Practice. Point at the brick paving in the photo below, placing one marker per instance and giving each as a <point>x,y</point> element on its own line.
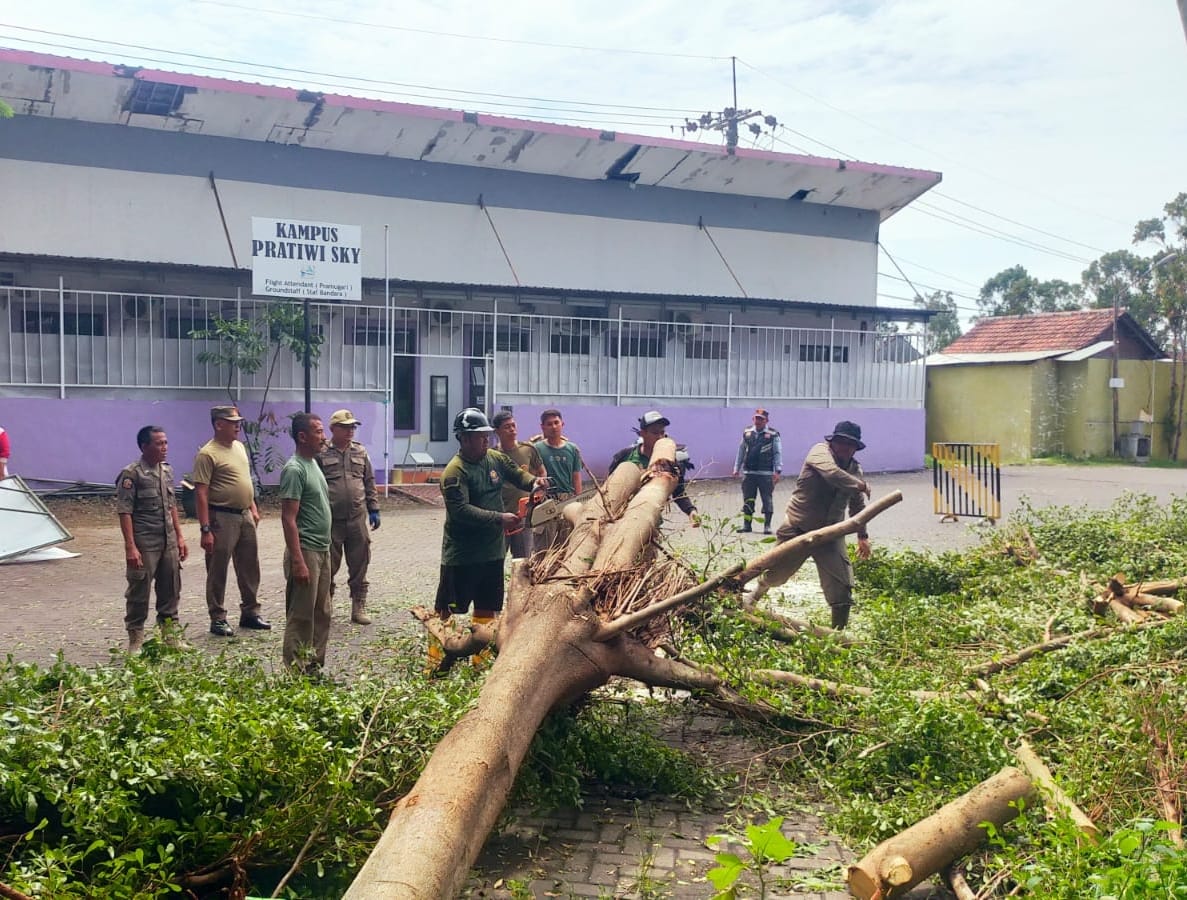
<point>655,848</point>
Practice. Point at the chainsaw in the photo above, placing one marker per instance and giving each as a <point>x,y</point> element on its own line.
<point>533,512</point>
<point>538,508</point>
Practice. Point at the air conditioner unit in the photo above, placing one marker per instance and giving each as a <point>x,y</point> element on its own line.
<point>441,314</point>
<point>137,307</point>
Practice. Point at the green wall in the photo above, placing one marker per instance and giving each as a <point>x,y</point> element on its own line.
<point>1045,407</point>
<point>981,404</point>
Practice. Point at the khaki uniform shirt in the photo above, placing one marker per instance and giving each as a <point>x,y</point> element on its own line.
<point>351,480</point>
<point>527,457</point>
<point>227,473</point>
<point>824,491</point>
<point>146,494</point>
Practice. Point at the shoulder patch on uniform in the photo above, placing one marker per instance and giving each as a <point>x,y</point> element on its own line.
<point>451,482</point>
<point>126,484</point>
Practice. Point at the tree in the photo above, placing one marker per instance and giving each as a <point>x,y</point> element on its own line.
<point>243,348</point>
<point>944,328</point>
<point>573,620</point>
<point>1168,271</point>
<point>1124,278</point>
<point>1015,292</point>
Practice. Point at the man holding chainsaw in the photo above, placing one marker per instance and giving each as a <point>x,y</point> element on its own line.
<point>527,457</point>
<point>473,545</point>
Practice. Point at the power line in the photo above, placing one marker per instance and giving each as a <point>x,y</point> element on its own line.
<point>919,147</point>
<point>937,272</point>
<point>672,115</point>
<point>989,231</point>
<point>930,287</point>
<point>338,20</point>
<point>938,193</point>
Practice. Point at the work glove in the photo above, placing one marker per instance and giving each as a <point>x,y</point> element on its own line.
<point>373,515</point>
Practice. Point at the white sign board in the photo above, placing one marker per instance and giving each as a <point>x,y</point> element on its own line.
<point>318,260</point>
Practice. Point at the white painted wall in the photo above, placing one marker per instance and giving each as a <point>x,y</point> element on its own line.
<point>90,213</point>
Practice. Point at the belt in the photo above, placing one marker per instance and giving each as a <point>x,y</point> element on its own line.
<point>228,509</point>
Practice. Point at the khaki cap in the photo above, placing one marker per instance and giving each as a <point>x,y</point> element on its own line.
<point>344,417</point>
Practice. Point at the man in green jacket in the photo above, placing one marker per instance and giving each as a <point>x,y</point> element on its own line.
<point>473,545</point>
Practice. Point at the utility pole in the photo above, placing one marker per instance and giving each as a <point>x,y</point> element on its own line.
<point>728,120</point>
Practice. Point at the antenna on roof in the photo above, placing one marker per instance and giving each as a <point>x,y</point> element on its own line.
<point>728,120</point>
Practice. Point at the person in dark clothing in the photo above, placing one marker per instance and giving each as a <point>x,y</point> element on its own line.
<point>653,426</point>
<point>759,464</point>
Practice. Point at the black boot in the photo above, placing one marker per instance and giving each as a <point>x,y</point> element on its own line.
<point>766,523</point>
<point>840,617</point>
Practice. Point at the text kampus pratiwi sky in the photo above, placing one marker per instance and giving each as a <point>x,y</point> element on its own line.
<point>1068,117</point>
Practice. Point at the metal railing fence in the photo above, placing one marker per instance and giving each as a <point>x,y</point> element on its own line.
<point>69,339</point>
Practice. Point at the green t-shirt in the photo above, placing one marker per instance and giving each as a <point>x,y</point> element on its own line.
<point>560,463</point>
<point>473,493</point>
<point>302,480</point>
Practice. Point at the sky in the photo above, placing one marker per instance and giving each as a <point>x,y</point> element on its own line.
<point>1057,124</point>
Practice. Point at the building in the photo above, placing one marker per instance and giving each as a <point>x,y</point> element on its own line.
<point>1039,385</point>
<point>503,263</point>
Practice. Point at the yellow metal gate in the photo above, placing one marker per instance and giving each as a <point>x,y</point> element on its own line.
<point>967,481</point>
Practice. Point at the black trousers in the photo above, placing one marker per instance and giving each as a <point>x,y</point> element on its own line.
<point>758,485</point>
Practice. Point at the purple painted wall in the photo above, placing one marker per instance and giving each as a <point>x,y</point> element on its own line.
<point>894,437</point>
<point>81,439</point>
<point>93,439</point>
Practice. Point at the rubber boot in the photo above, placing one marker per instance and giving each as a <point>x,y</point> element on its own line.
<point>358,612</point>
<point>486,655</point>
<point>436,657</point>
<point>135,640</point>
<point>766,523</point>
<point>840,617</point>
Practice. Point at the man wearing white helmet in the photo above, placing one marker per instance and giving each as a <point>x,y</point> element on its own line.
<point>473,544</point>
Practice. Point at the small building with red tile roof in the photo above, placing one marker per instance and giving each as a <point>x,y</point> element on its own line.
<point>1041,385</point>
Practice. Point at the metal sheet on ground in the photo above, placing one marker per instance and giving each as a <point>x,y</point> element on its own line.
<point>25,522</point>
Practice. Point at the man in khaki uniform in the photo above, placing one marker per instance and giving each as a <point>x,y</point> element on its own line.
<point>831,484</point>
<point>353,504</point>
<point>153,544</point>
<point>227,518</point>
<point>528,457</point>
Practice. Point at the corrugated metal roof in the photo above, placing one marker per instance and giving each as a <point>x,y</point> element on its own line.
<point>44,85</point>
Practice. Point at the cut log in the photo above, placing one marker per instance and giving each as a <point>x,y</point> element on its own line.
<point>1138,600</point>
<point>901,862</point>
<point>1164,587</point>
<point>1125,614</point>
<point>1057,800</point>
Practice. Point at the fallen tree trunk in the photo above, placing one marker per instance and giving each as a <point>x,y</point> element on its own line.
<point>955,830</point>
<point>574,619</point>
<point>1057,800</point>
